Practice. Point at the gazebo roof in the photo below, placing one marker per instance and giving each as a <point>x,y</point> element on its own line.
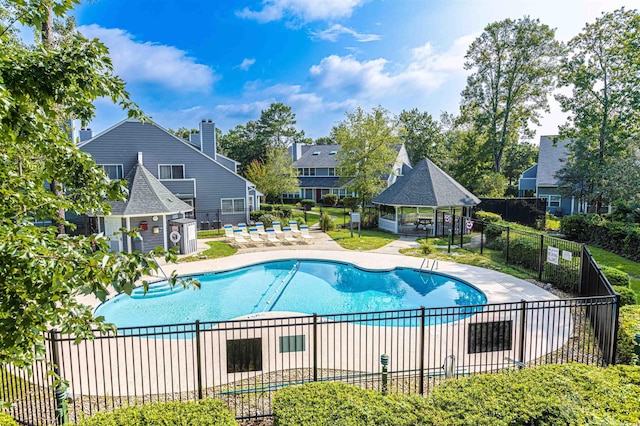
<point>147,195</point>
<point>426,185</point>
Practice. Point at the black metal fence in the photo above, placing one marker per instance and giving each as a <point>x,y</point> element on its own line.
<point>525,211</point>
<point>243,362</point>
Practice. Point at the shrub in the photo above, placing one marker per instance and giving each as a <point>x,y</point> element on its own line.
<point>333,404</point>
<point>350,203</point>
<point>523,252</point>
<point>616,277</point>
<point>577,226</point>
<point>629,326</point>
<point>369,220</point>
<point>307,204</point>
<point>330,200</point>
<point>255,214</point>
<point>565,276</point>
<point>491,232</point>
<point>426,246</point>
<point>627,296</point>
<point>568,394</point>
<point>488,216</point>
<point>203,412</point>
<point>326,223</point>
<point>285,212</point>
<point>7,420</point>
<point>267,220</point>
<point>266,207</point>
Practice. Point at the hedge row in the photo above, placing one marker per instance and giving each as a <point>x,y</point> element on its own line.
<point>619,237</point>
<point>7,420</point>
<point>206,412</point>
<point>629,326</point>
<point>545,395</point>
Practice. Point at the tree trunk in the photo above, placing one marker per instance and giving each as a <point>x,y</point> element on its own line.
<point>55,187</point>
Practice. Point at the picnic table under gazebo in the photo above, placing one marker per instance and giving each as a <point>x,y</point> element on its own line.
<point>421,201</point>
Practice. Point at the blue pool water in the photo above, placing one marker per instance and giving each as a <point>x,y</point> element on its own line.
<point>304,286</point>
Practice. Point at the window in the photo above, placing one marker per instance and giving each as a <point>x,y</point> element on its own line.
<point>292,343</point>
<point>114,171</point>
<point>552,200</point>
<point>490,336</point>
<point>171,171</point>
<point>244,355</point>
<point>232,205</point>
<point>306,171</point>
<point>332,171</point>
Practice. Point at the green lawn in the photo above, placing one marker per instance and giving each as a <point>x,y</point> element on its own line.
<point>606,258</point>
<point>370,239</point>
<point>218,249</point>
<point>211,233</point>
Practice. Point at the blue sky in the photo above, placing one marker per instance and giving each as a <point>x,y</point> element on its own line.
<point>227,60</point>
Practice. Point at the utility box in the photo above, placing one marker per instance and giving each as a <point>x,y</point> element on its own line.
<point>184,234</point>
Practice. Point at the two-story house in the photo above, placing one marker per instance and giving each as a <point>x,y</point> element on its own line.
<point>319,174</point>
<point>202,183</point>
<point>540,179</point>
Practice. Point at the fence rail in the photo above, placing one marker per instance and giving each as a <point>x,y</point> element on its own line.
<point>245,361</point>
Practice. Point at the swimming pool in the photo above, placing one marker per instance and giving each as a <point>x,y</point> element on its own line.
<point>304,286</point>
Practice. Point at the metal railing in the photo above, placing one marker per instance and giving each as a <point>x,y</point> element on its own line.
<point>243,362</point>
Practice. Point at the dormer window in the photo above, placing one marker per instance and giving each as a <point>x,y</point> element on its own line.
<point>316,152</point>
<point>333,152</point>
<point>171,171</point>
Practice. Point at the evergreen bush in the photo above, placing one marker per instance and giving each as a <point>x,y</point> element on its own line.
<point>351,203</point>
<point>307,204</point>
<point>488,216</point>
<point>267,220</point>
<point>629,326</point>
<point>7,420</point>
<point>329,200</point>
<point>326,223</point>
<point>616,277</point>
<point>627,296</point>
<point>203,412</point>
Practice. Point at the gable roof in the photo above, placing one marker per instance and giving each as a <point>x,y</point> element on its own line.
<point>318,156</point>
<point>177,138</point>
<point>550,160</point>
<point>426,185</point>
<point>147,196</point>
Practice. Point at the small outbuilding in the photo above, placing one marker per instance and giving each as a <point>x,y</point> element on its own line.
<point>422,201</point>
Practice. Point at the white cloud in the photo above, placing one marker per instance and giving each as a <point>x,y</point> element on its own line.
<point>150,62</point>
<point>335,31</point>
<point>246,64</point>
<point>372,79</point>
<point>306,10</point>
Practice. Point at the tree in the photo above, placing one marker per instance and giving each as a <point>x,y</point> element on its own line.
<point>422,137</point>
<point>183,132</point>
<point>517,159</point>
<point>276,127</point>
<point>603,70</point>
<point>324,140</point>
<point>243,145</point>
<point>41,274</point>
<point>276,176</point>
<point>367,153</point>
<point>514,65</point>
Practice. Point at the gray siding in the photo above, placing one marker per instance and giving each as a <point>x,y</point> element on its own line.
<point>184,189</point>
<point>149,239</point>
<point>229,164</point>
<point>121,144</point>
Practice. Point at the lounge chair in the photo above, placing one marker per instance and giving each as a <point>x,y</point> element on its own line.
<point>294,227</point>
<point>255,237</point>
<point>276,228</point>
<point>243,228</point>
<point>239,238</point>
<point>228,232</point>
<point>272,238</point>
<point>304,233</point>
<point>288,236</point>
<point>260,227</point>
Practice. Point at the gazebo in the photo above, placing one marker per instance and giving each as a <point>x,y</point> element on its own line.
<point>411,205</point>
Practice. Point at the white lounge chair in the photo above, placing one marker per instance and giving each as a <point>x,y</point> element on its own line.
<point>239,238</point>
<point>243,228</point>
<point>272,238</point>
<point>304,233</point>
<point>294,227</point>
<point>288,236</point>
<point>276,228</point>
<point>255,237</point>
<point>260,227</point>
<point>228,232</point>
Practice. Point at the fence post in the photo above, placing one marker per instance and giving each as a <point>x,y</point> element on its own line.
<point>540,261</point>
<point>462,228</point>
<point>523,325</point>
<point>453,227</point>
<point>583,259</point>
<point>443,224</point>
<point>422,324</point>
<point>315,347</point>
<point>62,412</point>
<point>198,360</point>
<point>384,360</point>
<point>616,327</point>
<point>482,236</point>
<point>507,254</point>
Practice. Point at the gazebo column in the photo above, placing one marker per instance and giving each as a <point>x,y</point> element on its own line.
<point>129,236</point>
<point>395,209</point>
<point>165,230</point>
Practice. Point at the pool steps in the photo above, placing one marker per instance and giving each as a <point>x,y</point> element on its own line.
<point>157,290</point>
